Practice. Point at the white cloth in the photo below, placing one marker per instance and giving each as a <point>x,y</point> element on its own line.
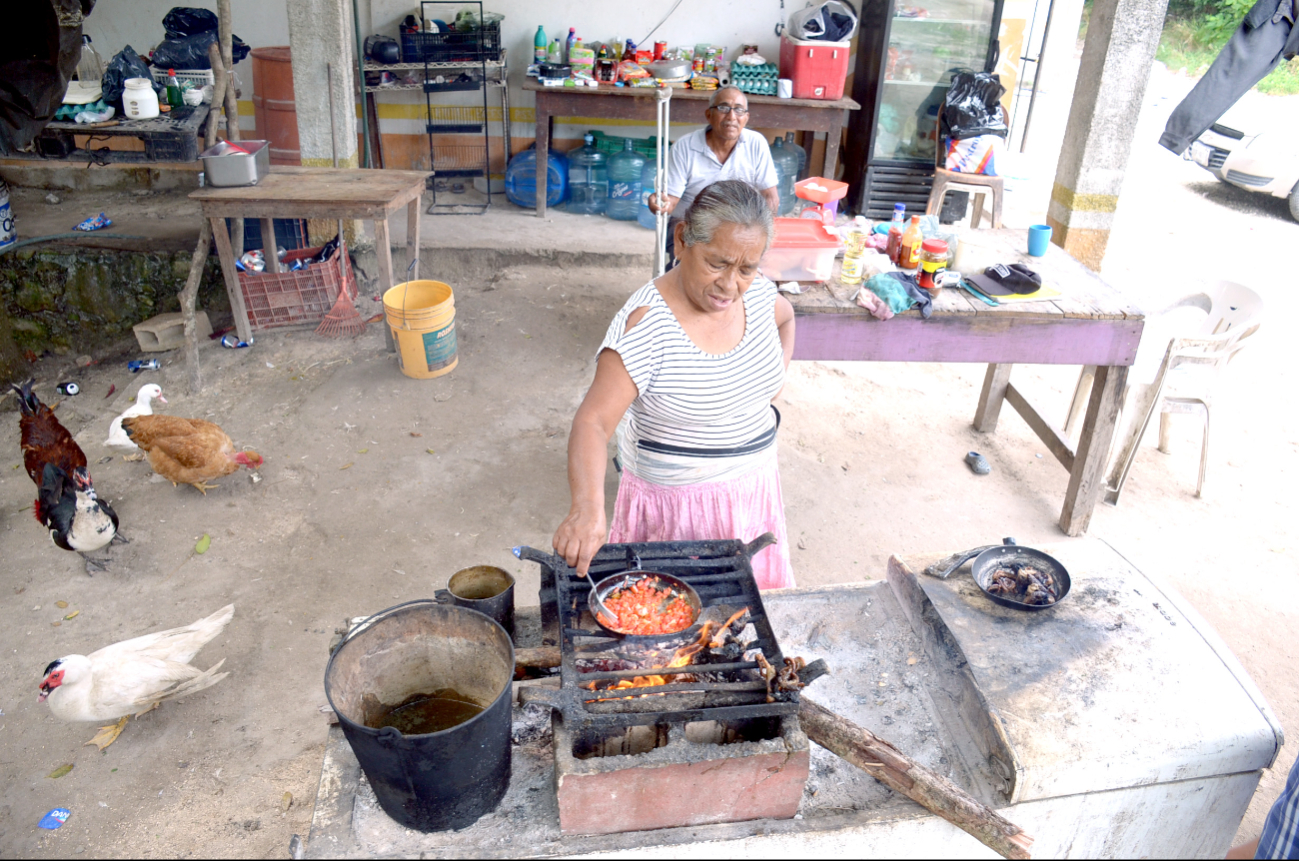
<point>693,166</point>
<point>699,416</point>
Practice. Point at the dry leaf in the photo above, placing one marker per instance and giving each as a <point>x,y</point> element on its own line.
<point>286,802</point>
<point>56,624</point>
<point>911,661</point>
<point>60,771</point>
<point>430,451</point>
<point>62,605</point>
<point>203,544</point>
<point>72,615</point>
<point>412,433</point>
<point>345,466</point>
<point>362,450</point>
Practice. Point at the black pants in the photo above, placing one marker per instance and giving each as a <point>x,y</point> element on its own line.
<point>1254,50</point>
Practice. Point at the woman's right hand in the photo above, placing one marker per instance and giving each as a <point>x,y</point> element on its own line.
<point>580,536</point>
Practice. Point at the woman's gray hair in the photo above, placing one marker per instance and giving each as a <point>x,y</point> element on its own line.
<point>730,201</point>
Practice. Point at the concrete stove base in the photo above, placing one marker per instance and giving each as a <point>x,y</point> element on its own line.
<point>681,784</point>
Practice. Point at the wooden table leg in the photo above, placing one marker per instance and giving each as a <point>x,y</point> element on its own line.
<point>992,397</point>
<point>270,247</point>
<point>383,253</point>
<point>226,254</point>
<point>412,235</point>
<point>809,141</point>
<point>832,146</point>
<point>1087,480</point>
<point>542,134</point>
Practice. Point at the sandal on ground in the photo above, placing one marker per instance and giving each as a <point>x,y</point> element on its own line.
<point>978,463</point>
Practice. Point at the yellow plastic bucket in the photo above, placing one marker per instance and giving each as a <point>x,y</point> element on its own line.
<point>422,317</point>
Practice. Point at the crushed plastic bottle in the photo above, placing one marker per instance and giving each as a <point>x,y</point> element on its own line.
<point>233,342</point>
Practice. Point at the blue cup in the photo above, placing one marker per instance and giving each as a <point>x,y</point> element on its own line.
<point>1039,237</point>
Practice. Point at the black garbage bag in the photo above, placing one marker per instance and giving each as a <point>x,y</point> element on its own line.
<point>830,21</point>
<point>973,106</point>
<point>190,52</point>
<point>125,64</point>
<point>184,21</point>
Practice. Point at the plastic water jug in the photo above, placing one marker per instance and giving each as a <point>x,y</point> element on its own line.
<point>625,183</point>
<point>648,175</point>
<point>798,151</point>
<point>588,179</point>
<point>139,101</point>
<point>521,179</point>
<point>786,175</point>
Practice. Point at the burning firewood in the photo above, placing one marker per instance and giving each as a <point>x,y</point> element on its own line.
<point>899,772</point>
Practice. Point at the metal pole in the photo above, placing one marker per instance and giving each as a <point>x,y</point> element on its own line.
<point>1037,77</point>
<point>360,70</point>
<point>663,97</point>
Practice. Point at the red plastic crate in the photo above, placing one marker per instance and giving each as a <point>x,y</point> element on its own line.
<point>818,69</point>
<point>293,298</point>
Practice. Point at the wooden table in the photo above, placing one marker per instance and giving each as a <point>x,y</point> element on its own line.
<point>314,192</point>
<point>637,103</point>
<point>1090,324</point>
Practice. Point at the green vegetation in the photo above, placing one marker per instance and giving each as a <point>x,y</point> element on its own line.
<point>1196,30</point>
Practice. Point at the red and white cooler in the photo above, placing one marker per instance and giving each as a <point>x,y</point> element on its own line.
<point>818,69</point>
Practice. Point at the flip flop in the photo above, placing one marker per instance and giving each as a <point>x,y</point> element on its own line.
<point>977,463</point>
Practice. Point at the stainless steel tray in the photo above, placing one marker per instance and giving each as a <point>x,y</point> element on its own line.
<point>226,166</point>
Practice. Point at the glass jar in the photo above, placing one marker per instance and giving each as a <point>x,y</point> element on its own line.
<point>933,259</point>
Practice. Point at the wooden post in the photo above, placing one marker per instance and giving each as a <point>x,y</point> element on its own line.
<point>188,297</point>
<point>220,78</point>
<point>232,111</point>
<point>899,772</point>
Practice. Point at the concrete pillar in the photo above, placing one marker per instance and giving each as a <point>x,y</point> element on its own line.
<point>320,35</point>
<point>1121,40</point>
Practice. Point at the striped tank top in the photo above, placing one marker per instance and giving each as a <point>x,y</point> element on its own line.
<point>698,416</point>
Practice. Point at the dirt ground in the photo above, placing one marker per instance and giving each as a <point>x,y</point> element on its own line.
<point>377,488</point>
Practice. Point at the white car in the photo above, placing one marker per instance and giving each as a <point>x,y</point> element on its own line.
<point>1266,161</point>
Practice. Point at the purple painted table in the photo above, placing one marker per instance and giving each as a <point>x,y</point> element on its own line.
<point>1089,324</point>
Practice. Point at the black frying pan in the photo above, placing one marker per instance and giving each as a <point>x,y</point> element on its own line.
<point>670,585</point>
<point>1008,554</point>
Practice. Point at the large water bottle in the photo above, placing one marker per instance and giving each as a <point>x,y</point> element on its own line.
<point>798,151</point>
<point>644,217</point>
<point>588,179</point>
<point>786,175</point>
<point>625,183</point>
<point>521,179</point>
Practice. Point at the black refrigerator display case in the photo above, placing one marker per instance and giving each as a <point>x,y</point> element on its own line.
<point>906,55</point>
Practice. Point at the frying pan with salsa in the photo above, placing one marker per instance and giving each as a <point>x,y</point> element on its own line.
<point>649,604</point>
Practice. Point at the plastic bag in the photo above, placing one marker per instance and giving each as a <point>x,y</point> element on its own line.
<point>973,106</point>
<point>184,21</point>
<point>125,64</point>
<point>190,52</point>
<point>831,21</point>
<point>976,155</point>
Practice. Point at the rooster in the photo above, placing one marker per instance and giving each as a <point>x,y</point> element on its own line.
<point>66,501</point>
<point>132,676</point>
<point>187,451</point>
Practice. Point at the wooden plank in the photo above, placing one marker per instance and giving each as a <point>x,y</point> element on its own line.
<point>995,383</point>
<point>965,337</point>
<point>226,253</point>
<point>1087,478</point>
<point>412,235</point>
<point>685,94</point>
<point>383,251</point>
<point>1051,438</point>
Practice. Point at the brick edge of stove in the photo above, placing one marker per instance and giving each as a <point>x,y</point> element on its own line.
<point>685,782</point>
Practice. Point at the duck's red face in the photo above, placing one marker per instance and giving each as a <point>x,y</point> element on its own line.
<point>53,678</point>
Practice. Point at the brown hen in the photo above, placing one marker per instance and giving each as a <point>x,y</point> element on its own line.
<point>187,451</point>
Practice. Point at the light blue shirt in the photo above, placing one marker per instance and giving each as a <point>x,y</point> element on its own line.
<point>693,166</point>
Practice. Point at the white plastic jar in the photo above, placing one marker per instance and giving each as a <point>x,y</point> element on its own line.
<point>139,101</point>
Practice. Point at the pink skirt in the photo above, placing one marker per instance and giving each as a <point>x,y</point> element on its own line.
<point>742,508</point>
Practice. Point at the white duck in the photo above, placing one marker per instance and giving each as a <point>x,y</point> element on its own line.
<point>132,676</point>
<point>117,437</point>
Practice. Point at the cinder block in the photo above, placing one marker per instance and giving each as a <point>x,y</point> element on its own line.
<point>167,331</point>
<point>683,783</point>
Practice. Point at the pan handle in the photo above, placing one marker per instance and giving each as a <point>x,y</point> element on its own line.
<point>943,568</point>
<point>763,541</point>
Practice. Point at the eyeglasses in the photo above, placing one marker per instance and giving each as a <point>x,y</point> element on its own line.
<point>724,109</point>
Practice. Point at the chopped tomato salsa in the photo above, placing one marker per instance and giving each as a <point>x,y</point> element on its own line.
<point>649,606</point>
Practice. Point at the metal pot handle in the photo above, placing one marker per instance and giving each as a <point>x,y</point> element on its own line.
<point>383,613</point>
<point>388,736</point>
<point>553,560</point>
<point>444,596</point>
<point>943,568</point>
<point>763,541</point>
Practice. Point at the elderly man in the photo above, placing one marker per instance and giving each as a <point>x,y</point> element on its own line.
<point>724,150</point>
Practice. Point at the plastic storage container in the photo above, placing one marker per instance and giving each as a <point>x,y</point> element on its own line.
<point>588,180</point>
<point>803,250</point>
<point>625,171</point>
<point>139,101</point>
<point>521,179</point>
<point>648,176</point>
<point>818,69</point>
<point>786,175</point>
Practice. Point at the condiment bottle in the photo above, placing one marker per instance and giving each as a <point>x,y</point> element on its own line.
<point>933,260</point>
<point>173,90</point>
<point>854,255</point>
<point>895,232</point>
<point>909,256</point>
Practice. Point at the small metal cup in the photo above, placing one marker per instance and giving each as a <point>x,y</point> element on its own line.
<point>484,588</point>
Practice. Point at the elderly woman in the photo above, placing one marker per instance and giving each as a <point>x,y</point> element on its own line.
<point>685,377</point>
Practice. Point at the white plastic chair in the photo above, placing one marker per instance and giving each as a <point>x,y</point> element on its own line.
<point>1185,380</point>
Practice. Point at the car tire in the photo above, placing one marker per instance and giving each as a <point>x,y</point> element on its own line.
<point>1294,202</point>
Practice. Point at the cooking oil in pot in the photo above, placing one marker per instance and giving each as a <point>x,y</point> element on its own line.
<point>424,713</point>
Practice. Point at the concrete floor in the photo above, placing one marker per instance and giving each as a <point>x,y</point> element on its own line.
<point>356,513</point>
